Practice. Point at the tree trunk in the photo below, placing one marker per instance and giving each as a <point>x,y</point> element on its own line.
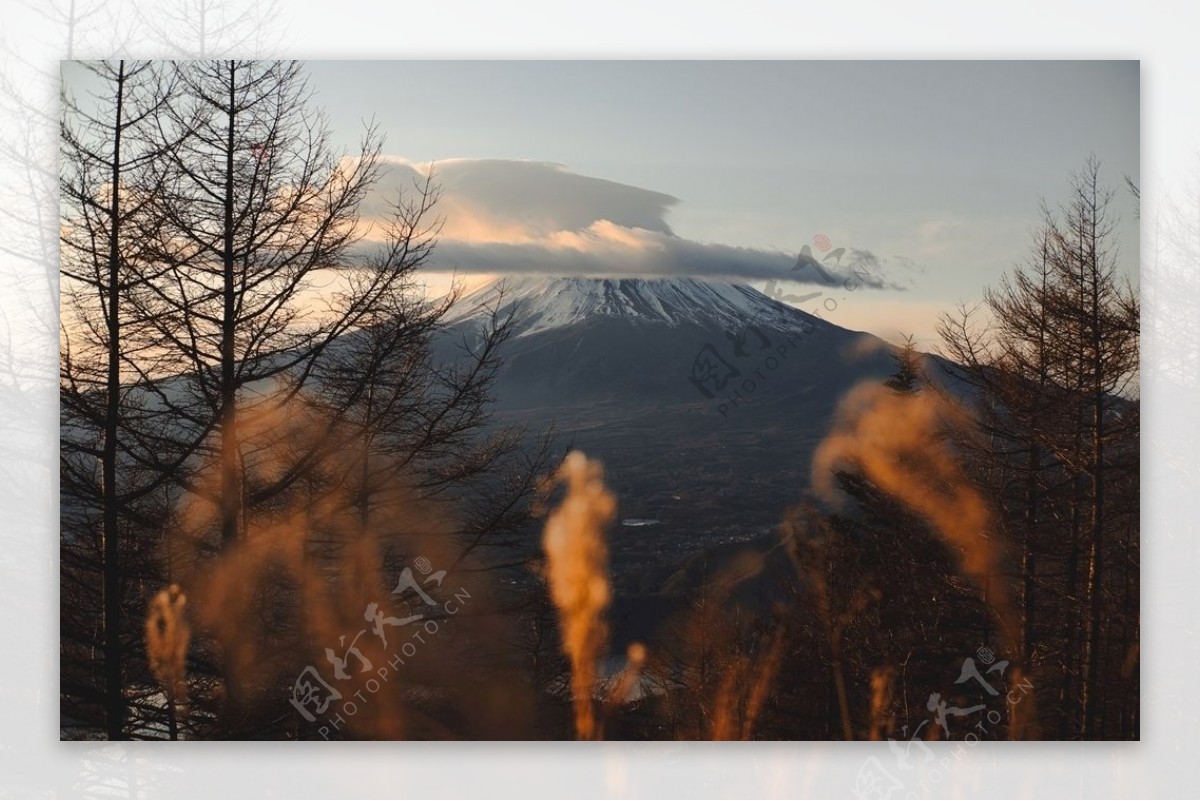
<point>1096,555</point>
<point>231,483</point>
<point>1028,561</point>
<point>231,468</point>
<point>113,679</point>
<point>1072,609</point>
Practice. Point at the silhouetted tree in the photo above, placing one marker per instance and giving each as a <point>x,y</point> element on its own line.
<point>1055,372</point>
<point>104,149</point>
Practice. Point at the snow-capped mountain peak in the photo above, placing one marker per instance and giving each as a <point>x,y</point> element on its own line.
<point>546,303</point>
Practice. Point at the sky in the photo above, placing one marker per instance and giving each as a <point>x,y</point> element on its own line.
<point>926,176</point>
<point>933,173</point>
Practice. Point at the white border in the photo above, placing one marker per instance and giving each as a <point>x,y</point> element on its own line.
<point>1162,35</point>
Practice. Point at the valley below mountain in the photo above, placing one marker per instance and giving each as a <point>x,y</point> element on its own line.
<point>704,402</point>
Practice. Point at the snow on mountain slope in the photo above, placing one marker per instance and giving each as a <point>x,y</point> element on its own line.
<point>546,303</point>
<point>631,342</point>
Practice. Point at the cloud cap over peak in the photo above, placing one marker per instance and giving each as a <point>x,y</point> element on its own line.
<point>508,216</point>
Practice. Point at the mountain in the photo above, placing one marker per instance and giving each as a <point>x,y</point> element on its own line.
<point>629,341</point>
<point>704,400</point>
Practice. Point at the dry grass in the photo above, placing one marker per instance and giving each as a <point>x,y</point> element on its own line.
<point>577,571</point>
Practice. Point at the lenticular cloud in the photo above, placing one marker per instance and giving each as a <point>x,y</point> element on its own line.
<point>502,216</point>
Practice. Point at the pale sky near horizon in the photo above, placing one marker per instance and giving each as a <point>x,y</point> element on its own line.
<point>938,168</point>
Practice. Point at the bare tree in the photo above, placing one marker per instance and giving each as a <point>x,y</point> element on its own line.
<point>254,206</point>
<point>204,29</point>
<point>1056,371</point>
<point>1106,315</point>
<point>102,148</point>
